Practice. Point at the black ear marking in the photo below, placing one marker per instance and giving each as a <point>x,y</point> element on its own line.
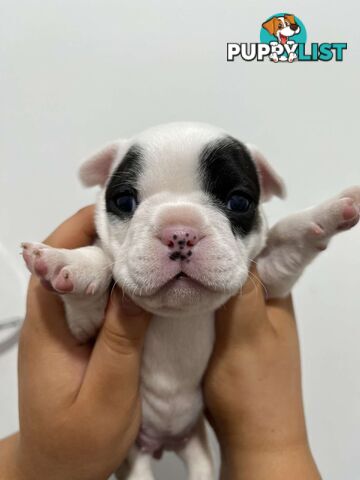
<point>124,180</point>
<point>226,167</point>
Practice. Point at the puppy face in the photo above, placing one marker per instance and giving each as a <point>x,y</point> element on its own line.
<point>179,215</point>
<point>282,27</point>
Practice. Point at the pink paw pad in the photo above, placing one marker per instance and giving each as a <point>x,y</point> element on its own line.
<point>63,282</point>
<point>316,229</point>
<point>91,289</point>
<point>350,210</point>
<point>33,259</point>
<point>40,266</point>
<point>350,215</point>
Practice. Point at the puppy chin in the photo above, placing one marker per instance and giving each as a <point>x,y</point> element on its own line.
<point>185,296</point>
<point>201,287</point>
<point>181,301</point>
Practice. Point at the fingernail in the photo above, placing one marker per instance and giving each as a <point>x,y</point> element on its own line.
<point>129,307</point>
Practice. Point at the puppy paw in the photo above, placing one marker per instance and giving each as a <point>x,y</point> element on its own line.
<point>339,214</point>
<point>59,270</point>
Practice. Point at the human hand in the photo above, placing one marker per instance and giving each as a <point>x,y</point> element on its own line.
<point>252,390</point>
<point>79,404</point>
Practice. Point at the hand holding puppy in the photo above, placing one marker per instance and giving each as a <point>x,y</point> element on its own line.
<point>79,405</point>
<point>252,390</point>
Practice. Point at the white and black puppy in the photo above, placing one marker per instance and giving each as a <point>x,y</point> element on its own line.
<point>179,220</point>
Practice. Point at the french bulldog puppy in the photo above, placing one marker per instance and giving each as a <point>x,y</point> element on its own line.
<point>179,220</point>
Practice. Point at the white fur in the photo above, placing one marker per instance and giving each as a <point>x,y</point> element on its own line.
<point>180,338</point>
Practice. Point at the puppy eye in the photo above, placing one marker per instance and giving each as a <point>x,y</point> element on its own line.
<point>239,203</point>
<point>125,202</point>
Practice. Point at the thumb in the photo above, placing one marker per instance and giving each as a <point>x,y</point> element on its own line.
<point>112,376</point>
<point>244,316</point>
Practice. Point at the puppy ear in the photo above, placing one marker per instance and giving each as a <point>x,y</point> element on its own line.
<point>96,169</point>
<point>270,25</point>
<point>291,19</point>
<point>271,183</point>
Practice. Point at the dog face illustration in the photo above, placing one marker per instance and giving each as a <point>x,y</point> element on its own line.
<point>282,27</point>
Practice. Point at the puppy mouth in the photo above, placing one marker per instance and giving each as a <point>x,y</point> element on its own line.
<point>184,280</point>
<point>283,39</point>
<point>180,275</point>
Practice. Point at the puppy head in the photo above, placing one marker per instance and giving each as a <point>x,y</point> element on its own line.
<point>179,214</point>
<point>282,27</point>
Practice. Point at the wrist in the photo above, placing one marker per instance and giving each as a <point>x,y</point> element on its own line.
<point>276,463</point>
<point>15,465</point>
<point>9,465</point>
<point>12,465</point>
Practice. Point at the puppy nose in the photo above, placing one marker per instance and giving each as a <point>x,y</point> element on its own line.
<point>294,27</point>
<point>179,236</point>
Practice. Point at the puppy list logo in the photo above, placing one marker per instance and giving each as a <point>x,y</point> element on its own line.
<point>282,39</point>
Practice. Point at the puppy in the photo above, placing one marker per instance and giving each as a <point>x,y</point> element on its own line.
<point>282,28</point>
<point>179,218</point>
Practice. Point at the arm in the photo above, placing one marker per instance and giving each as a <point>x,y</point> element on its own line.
<point>253,391</point>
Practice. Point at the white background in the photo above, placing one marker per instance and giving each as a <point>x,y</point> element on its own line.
<point>76,74</point>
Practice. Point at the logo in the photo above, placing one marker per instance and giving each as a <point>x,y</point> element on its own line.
<point>283,39</point>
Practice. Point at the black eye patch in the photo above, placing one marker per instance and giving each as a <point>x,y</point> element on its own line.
<point>228,174</point>
<point>121,197</point>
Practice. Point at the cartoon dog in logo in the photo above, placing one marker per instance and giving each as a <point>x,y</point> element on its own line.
<point>282,27</point>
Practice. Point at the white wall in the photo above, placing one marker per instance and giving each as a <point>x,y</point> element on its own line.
<point>74,75</point>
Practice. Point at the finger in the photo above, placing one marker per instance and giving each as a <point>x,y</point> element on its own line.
<point>77,231</point>
<point>249,315</point>
<point>281,313</point>
<point>244,315</point>
<point>51,362</point>
<point>112,377</point>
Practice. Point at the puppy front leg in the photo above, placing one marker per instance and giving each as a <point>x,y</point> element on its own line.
<point>197,455</point>
<point>297,239</point>
<point>81,275</point>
